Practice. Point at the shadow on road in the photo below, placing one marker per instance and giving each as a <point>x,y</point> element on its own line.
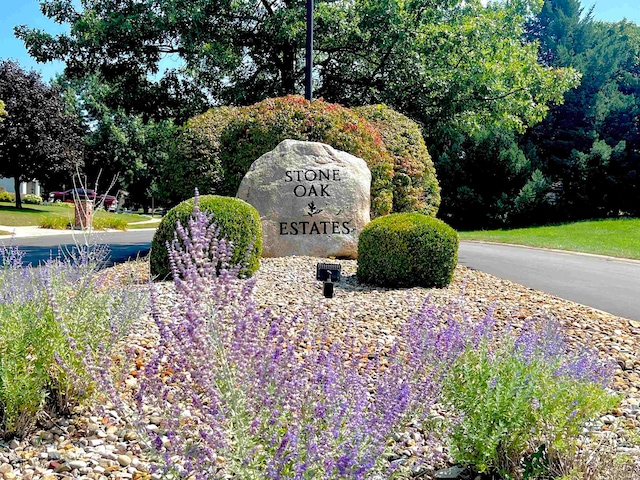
<point>117,253</point>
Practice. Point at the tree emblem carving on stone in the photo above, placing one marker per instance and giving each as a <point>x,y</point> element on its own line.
<point>312,209</point>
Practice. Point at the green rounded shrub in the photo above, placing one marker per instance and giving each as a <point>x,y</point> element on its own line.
<point>407,250</point>
<point>415,185</point>
<point>193,161</point>
<point>215,149</point>
<point>31,199</point>
<point>7,197</point>
<point>238,221</point>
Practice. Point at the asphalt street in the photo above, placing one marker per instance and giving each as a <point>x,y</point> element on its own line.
<point>608,284</point>
<point>123,245</point>
<point>605,283</point>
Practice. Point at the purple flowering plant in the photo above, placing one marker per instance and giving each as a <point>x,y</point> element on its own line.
<point>42,309</point>
<point>518,395</point>
<point>246,393</point>
<point>239,392</point>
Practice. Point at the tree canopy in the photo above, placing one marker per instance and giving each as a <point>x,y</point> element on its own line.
<point>589,146</point>
<point>120,146</point>
<point>38,136</point>
<point>529,108</point>
<point>451,61</point>
<point>581,161</point>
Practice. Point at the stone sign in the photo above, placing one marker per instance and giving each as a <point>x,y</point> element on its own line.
<point>312,199</point>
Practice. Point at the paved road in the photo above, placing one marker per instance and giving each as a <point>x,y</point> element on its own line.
<point>607,284</point>
<point>604,283</point>
<point>123,245</point>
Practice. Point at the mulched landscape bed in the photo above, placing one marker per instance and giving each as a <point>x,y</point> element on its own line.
<point>98,444</point>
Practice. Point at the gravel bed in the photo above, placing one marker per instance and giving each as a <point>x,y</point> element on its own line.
<point>99,445</point>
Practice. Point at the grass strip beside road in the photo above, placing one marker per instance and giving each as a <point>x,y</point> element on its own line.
<point>616,238</point>
<point>33,215</point>
<point>138,226</point>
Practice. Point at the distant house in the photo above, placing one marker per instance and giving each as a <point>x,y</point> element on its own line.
<point>25,187</point>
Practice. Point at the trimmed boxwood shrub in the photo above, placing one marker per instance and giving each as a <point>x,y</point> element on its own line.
<point>415,185</point>
<point>407,250</point>
<point>239,223</point>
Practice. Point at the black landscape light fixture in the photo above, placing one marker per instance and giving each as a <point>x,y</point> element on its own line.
<point>329,273</point>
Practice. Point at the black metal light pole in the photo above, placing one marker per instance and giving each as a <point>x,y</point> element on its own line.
<point>309,55</point>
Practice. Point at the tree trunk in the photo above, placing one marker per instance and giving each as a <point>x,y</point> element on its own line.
<point>16,184</point>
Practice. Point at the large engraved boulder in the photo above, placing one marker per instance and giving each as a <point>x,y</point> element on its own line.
<point>312,199</point>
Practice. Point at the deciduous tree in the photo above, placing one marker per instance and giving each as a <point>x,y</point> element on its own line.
<point>120,147</point>
<point>38,137</point>
<point>445,62</point>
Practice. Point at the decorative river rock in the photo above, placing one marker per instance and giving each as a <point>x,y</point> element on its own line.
<point>312,199</point>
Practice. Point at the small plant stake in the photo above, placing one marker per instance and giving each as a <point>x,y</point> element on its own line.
<point>328,273</point>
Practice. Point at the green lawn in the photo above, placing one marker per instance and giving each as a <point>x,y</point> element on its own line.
<point>32,215</point>
<point>617,238</point>
<point>132,226</point>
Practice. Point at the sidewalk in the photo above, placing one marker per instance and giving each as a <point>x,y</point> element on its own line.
<point>35,231</point>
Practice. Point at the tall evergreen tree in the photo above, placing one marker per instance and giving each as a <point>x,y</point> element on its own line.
<point>571,143</point>
<point>564,31</point>
<point>618,123</point>
<point>488,181</point>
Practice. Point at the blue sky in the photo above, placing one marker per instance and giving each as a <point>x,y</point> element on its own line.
<point>27,12</point>
<point>614,10</point>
